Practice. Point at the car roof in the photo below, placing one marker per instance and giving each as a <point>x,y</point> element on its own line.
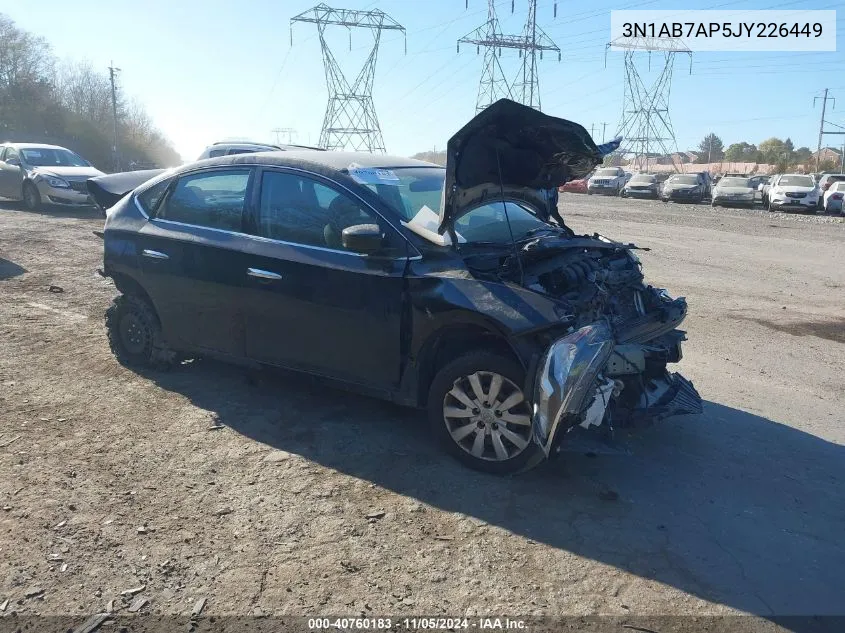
<point>34,146</point>
<point>332,160</point>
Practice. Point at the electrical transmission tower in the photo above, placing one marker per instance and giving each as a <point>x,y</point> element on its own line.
<point>493,84</point>
<point>284,130</point>
<point>645,125</point>
<point>350,121</point>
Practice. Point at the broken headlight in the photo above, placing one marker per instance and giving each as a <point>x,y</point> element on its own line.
<point>567,373</point>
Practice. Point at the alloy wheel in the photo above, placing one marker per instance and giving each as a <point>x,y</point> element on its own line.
<point>488,416</point>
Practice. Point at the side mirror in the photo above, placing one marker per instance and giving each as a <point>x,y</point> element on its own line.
<point>362,238</point>
<point>14,162</point>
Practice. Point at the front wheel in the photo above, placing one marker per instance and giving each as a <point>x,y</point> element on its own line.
<point>478,411</point>
<point>31,197</point>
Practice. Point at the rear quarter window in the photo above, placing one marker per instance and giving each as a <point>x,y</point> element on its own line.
<point>149,198</point>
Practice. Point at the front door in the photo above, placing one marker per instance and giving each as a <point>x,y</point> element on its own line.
<point>312,304</point>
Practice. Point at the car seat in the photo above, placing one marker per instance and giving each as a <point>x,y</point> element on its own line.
<point>343,212</point>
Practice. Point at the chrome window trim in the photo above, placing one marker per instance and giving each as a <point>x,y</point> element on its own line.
<point>279,169</point>
<point>139,207</point>
<point>260,238</point>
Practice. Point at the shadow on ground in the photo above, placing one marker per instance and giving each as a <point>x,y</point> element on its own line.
<point>9,269</point>
<point>727,506</point>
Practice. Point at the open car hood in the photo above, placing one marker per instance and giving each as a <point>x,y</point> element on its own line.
<point>513,148</point>
<point>107,190</point>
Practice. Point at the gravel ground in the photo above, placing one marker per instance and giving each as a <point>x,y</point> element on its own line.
<point>282,496</point>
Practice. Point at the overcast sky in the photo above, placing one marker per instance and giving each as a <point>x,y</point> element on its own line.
<point>211,69</point>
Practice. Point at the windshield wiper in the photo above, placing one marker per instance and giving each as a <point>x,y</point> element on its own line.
<point>541,229</point>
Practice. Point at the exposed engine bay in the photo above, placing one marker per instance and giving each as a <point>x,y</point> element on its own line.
<point>601,281</point>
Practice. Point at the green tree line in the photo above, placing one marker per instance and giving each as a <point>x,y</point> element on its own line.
<point>773,151</point>
<point>47,100</point>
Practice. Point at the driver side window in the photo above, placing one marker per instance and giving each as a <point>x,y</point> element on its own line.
<point>300,210</point>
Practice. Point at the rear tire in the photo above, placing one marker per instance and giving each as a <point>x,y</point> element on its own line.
<point>134,334</point>
<point>489,428</point>
<point>31,197</point>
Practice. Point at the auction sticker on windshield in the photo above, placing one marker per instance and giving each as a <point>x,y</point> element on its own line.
<point>372,175</point>
<point>724,30</point>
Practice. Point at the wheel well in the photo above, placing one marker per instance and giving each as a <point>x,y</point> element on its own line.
<point>448,344</point>
<point>128,286</point>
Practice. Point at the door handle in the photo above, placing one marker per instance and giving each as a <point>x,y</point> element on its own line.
<point>262,274</point>
<point>154,254</point>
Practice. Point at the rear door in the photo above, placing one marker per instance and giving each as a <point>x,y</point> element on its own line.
<point>312,304</point>
<point>193,258</point>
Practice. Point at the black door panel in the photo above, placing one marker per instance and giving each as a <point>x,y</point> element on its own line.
<point>332,313</point>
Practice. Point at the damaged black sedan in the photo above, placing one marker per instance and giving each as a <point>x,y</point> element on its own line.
<point>460,290</point>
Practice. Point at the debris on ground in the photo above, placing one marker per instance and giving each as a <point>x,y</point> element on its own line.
<point>56,289</point>
<point>199,605</point>
<point>137,605</point>
<point>93,623</point>
<point>133,591</point>
<point>14,439</point>
<point>376,514</point>
<point>33,593</point>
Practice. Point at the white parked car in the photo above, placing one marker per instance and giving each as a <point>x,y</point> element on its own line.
<point>833,197</point>
<point>797,192</point>
<point>607,180</point>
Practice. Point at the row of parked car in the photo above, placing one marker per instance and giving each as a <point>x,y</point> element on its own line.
<point>777,192</point>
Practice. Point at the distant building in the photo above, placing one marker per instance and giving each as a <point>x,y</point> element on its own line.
<point>827,153</point>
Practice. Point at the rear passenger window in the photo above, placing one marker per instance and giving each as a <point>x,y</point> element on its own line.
<point>303,211</point>
<point>211,199</point>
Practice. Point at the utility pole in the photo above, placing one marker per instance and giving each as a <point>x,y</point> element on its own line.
<point>821,126</point>
<point>112,73</point>
<point>709,147</point>
<point>603,131</point>
<point>592,129</point>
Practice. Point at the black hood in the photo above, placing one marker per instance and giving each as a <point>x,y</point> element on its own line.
<point>107,190</point>
<point>512,147</point>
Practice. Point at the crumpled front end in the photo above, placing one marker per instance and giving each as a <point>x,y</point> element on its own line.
<point>613,372</point>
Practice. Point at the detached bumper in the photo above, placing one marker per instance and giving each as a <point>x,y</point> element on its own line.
<point>566,378</point>
<point>572,387</point>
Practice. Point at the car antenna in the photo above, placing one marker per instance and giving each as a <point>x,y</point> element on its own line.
<point>508,220</point>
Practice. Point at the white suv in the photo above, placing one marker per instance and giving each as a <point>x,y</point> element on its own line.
<point>607,180</point>
<point>226,148</point>
<point>793,192</point>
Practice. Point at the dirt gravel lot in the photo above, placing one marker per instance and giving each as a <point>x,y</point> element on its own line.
<point>283,496</point>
